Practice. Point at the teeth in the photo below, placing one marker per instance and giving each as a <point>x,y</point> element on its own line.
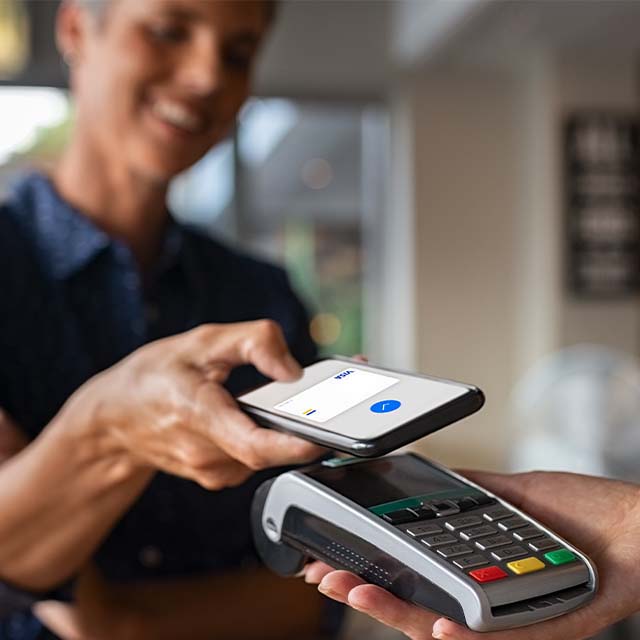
<point>178,115</point>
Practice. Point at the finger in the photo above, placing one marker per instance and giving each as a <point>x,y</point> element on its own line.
<point>195,450</point>
<point>338,584</point>
<point>316,571</point>
<point>413,621</point>
<point>222,474</point>
<point>231,474</point>
<point>360,358</point>
<point>259,448</point>
<point>261,343</point>
<point>59,617</point>
<point>235,433</point>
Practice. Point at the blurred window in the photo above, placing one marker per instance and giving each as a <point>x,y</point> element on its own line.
<point>33,128</point>
<point>298,183</point>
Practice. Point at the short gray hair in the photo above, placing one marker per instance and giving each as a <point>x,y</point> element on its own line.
<point>95,7</point>
<point>98,7</point>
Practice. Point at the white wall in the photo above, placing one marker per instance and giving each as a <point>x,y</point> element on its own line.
<point>464,193</point>
<point>489,223</point>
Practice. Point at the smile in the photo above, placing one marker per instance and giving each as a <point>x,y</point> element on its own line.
<point>179,116</point>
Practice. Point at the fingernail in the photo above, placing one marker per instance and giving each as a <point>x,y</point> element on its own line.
<point>358,607</point>
<point>438,631</point>
<point>327,591</point>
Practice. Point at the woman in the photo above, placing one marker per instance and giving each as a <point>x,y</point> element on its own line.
<point>100,508</point>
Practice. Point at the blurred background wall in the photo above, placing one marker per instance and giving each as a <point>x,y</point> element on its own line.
<point>411,163</point>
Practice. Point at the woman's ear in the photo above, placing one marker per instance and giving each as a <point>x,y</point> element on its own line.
<point>71,25</point>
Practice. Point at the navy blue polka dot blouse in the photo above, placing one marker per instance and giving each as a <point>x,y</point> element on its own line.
<point>71,304</point>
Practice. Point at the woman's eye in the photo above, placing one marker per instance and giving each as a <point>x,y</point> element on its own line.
<point>238,58</point>
<point>169,33</point>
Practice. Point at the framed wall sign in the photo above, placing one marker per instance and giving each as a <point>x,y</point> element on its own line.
<point>602,178</point>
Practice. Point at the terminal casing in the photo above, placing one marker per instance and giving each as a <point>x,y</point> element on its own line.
<point>304,515</point>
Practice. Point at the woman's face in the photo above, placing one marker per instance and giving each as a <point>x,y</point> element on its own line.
<point>159,82</point>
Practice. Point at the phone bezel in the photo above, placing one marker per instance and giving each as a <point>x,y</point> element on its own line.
<point>404,434</point>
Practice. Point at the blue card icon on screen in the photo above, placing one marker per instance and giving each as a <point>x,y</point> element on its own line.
<point>385,406</point>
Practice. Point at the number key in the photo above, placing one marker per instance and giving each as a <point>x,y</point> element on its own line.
<point>497,513</point>
<point>423,530</point>
<point>455,550</point>
<point>477,532</point>
<point>492,542</point>
<point>469,562</point>
<point>506,553</point>
<point>455,524</point>
<point>527,533</point>
<point>512,523</point>
<point>543,544</point>
<point>439,540</point>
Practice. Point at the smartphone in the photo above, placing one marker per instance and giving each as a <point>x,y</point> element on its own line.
<point>358,408</point>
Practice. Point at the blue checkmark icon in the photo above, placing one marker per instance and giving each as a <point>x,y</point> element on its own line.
<point>385,406</point>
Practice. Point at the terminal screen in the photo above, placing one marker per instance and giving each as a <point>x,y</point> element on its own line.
<point>385,480</point>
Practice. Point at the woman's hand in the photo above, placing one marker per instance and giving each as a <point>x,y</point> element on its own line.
<point>601,517</point>
<point>164,407</point>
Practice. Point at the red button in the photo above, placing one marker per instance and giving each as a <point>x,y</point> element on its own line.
<point>488,574</point>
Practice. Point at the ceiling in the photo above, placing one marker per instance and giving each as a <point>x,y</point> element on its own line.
<point>490,32</point>
<point>353,49</point>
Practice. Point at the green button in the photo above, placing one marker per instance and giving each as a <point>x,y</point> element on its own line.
<point>561,556</point>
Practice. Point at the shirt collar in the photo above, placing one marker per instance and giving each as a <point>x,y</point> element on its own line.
<point>66,240</point>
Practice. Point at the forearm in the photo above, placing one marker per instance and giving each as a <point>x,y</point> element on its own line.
<point>58,499</point>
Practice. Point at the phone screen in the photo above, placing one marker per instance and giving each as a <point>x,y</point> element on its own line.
<point>352,399</point>
<point>336,394</point>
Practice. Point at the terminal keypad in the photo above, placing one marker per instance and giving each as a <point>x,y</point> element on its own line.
<point>482,538</point>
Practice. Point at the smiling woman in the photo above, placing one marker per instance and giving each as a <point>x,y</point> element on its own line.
<point>179,88</point>
<point>115,508</point>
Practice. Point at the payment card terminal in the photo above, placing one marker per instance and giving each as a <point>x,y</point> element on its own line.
<point>427,535</point>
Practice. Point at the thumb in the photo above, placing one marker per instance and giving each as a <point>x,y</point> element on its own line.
<point>220,347</point>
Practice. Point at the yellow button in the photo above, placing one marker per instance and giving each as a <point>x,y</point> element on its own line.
<point>525,566</point>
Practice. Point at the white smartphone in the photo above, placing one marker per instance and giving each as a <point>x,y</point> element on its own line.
<point>359,408</point>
